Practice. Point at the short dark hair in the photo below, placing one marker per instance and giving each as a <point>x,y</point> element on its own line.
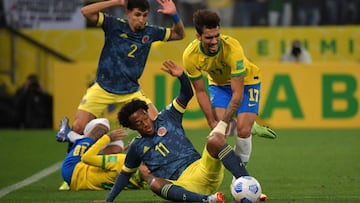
<point>205,18</point>
<point>142,5</point>
<point>128,109</point>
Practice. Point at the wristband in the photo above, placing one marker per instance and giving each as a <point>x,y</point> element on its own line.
<point>176,17</point>
<point>220,127</point>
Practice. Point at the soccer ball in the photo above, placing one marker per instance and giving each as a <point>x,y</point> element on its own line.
<point>245,189</point>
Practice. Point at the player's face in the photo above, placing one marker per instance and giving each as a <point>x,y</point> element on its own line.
<point>141,122</point>
<point>210,40</point>
<point>137,19</point>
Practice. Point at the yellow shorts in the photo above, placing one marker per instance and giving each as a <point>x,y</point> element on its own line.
<point>96,100</point>
<point>204,176</point>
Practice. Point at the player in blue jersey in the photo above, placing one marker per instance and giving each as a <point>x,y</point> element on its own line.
<point>122,60</point>
<point>177,172</point>
<point>123,57</point>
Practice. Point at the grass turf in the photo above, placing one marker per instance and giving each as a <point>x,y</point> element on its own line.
<point>309,165</point>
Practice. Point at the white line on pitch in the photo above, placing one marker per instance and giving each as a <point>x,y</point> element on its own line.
<point>47,171</point>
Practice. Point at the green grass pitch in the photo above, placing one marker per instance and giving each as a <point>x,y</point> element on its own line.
<point>302,165</point>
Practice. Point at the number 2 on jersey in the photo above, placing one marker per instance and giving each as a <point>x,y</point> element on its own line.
<point>133,49</point>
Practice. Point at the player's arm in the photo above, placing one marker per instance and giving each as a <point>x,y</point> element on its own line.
<point>132,162</point>
<point>91,11</point>
<point>168,8</point>
<point>204,101</point>
<point>237,87</point>
<point>91,156</point>
<point>186,92</point>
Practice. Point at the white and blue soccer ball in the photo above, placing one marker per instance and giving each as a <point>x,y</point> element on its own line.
<point>245,189</point>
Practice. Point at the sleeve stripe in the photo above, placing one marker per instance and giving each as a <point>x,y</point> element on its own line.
<point>128,170</point>
<point>100,19</point>
<point>167,34</point>
<point>178,106</point>
<point>195,78</point>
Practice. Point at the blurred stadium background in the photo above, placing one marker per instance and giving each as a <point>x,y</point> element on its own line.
<point>317,99</point>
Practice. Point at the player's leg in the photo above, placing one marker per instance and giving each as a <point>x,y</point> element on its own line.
<point>172,192</point>
<point>217,148</point>
<point>92,105</point>
<point>243,146</point>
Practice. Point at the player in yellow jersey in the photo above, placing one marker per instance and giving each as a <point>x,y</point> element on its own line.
<point>87,166</point>
<point>234,81</point>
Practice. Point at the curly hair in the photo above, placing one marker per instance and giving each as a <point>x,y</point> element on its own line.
<point>130,108</point>
<point>205,18</point>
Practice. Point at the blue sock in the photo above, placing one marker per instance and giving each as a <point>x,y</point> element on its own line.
<point>179,194</point>
<point>232,162</point>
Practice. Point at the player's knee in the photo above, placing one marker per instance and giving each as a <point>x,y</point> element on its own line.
<point>244,132</point>
<point>157,184</point>
<point>214,143</point>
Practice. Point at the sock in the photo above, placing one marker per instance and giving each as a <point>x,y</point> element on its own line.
<point>232,162</point>
<point>73,136</point>
<point>243,148</point>
<point>179,194</point>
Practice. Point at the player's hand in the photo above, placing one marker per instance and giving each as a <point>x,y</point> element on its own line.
<point>117,134</point>
<point>145,173</point>
<point>219,128</point>
<point>171,68</point>
<point>167,7</point>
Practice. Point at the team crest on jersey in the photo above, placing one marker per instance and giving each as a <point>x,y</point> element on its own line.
<point>161,131</point>
<point>145,39</point>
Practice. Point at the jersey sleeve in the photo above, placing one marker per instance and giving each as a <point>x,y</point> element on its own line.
<point>190,61</point>
<point>132,160</point>
<point>236,59</point>
<point>110,161</point>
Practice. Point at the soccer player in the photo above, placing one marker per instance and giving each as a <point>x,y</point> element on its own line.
<point>234,81</point>
<point>87,166</point>
<point>177,172</point>
<point>123,58</point>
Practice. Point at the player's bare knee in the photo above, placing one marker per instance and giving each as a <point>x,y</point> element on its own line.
<point>156,184</point>
<point>244,132</point>
<point>214,144</point>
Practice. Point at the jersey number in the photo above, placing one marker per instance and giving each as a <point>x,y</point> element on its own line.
<point>162,149</point>
<point>133,49</point>
<point>254,95</point>
<point>79,150</point>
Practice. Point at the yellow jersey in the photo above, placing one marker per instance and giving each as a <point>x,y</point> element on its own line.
<point>229,61</point>
<point>97,172</point>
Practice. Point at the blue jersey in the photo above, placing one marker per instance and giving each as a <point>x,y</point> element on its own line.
<point>166,150</point>
<point>123,57</point>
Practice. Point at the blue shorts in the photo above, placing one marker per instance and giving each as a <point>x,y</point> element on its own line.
<point>220,97</point>
<point>74,157</point>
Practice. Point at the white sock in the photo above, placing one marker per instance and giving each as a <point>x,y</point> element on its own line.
<point>243,148</point>
<point>73,136</point>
